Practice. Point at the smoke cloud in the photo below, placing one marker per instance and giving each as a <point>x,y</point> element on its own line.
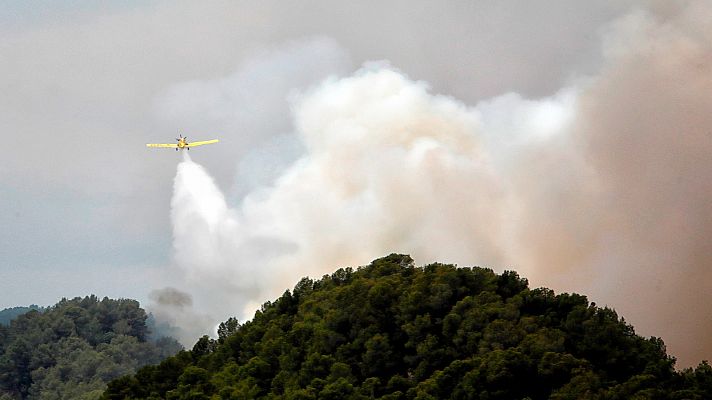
<point>171,297</point>
<point>602,188</point>
<point>173,308</point>
<point>379,151</point>
<point>645,130</point>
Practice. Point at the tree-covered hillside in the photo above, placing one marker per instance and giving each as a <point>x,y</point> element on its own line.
<point>391,330</point>
<point>9,314</point>
<point>71,350</point>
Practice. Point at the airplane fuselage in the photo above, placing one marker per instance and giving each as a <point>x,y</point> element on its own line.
<point>182,143</point>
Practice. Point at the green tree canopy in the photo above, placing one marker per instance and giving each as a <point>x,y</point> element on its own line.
<point>391,330</point>
<point>71,350</point>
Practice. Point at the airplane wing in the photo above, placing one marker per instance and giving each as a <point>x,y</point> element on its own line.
<point>173,146</point>
<point>192,144</point>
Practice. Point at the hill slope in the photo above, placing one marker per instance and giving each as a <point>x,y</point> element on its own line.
<point>71,350</point>
<point>391,330</point>
<point>9,314</point>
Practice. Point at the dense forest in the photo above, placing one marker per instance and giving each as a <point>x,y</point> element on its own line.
<point>391,330</point>
<point>72,349</point>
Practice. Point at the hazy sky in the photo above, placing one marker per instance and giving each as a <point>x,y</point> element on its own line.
<point>564,139</point>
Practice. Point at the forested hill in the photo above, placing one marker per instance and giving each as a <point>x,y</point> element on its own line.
<point>391,330</point>
<point>9,314</point>
<point>72,349</point>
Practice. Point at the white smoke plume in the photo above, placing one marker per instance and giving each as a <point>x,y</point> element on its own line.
<point>388,167</point>
<point>602,188</point>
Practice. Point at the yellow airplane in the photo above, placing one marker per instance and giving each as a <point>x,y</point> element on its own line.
<point>182,143</point>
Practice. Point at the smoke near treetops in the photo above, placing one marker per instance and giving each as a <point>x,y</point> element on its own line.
<point>603,188</point>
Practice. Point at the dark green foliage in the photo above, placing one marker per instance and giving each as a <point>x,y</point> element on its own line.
<point>391,330</point>
<point>71,350</point>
